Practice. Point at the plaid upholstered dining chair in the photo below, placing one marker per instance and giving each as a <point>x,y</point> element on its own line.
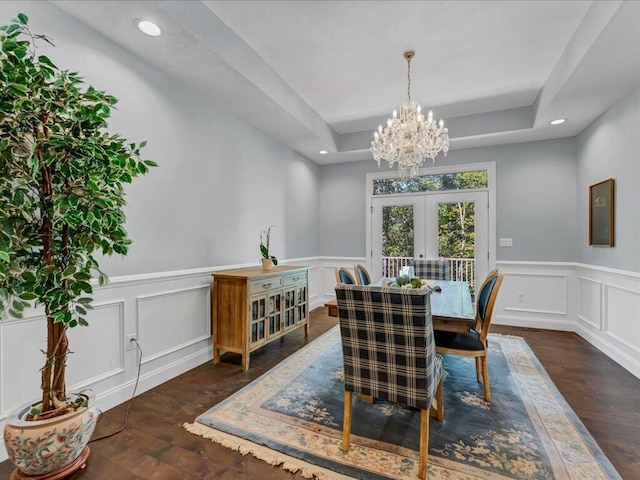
<point>389,353</point>
<point>432,269</point>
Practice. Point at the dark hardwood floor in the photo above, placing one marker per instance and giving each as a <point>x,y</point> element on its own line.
<point>155,445</point>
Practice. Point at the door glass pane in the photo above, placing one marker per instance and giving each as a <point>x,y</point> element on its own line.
<point>457,239</point>
<point>397,238</point>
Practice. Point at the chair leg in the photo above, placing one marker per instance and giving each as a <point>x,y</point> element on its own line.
<point>440,401</point>
<point>424,443</point>
<point>485,378</point>
<point>346,424</point>
<point>478,369</point>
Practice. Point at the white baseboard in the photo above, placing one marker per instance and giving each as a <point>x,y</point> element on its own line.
<point>631,364</point>
<point>534,323</point>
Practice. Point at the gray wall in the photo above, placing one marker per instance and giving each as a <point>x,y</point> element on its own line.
<point>220,180</point>
<point>536,202</point>
<point>610,148</point>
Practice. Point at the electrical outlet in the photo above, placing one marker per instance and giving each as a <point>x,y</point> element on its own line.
<point>520,296</point>
<point>506,242</point>
<point>131,341</point>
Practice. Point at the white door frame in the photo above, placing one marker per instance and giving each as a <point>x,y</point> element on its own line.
<point>490,168</point>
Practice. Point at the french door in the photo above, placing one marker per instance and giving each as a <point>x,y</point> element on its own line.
<point>453,225</point>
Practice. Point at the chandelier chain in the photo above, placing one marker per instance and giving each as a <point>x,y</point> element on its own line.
<point>409,78</point>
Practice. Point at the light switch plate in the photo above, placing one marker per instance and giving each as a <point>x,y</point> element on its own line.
<point>506,242</point>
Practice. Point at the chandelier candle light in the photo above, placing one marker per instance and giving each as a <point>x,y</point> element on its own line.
<point>409,138</point>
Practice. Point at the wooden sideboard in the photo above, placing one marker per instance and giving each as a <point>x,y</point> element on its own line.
<point>250,307</point>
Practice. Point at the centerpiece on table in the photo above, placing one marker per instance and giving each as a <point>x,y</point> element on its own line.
<point>405,281</point>
<point>268,260</point>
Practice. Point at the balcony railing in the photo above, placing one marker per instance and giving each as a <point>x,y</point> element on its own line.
<point>462,269</point>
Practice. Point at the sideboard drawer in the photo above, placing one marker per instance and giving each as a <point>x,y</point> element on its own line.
<point>295,278</point>
<point>265,284</point>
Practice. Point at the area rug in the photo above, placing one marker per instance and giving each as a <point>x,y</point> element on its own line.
<point>292,417</point>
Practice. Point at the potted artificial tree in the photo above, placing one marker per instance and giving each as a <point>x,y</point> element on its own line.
<point>62,180</point>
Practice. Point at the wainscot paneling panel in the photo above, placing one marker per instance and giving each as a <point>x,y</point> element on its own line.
<point>590,302</point>
<point>622,316</point>
<point>536,295</point>
<point>88,365</point>
<point>173,320</point>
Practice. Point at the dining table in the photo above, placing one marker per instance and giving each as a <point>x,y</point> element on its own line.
<point>452,307</point>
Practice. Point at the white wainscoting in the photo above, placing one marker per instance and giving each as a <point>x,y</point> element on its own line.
<point>169,314</point>
<point>600,304</point>
<point>609,315</point>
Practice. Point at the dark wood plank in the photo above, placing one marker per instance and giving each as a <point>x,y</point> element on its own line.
<point>155,445</point>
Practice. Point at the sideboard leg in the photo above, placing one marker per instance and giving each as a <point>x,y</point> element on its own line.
<point>245,362</point>
<point>216,356</point>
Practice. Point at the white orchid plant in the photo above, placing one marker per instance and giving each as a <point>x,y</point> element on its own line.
<point>265,235</point>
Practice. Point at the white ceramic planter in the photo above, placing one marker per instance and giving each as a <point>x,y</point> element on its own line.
<point>45,446</point>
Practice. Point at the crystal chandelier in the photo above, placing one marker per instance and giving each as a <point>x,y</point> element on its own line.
<point>410,138</point>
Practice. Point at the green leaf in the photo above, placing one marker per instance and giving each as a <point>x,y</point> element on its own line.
<point>28,296</point>
<point>81,310</point>
<point>17,305</point>
<point>150,163</point>
<point>19,87</point>
<point>4,256</point>
<point>22,18</point>
<point>69,271</point>
<point>84,300</point>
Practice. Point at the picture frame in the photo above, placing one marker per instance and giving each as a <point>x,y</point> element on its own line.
<point>601,214</point>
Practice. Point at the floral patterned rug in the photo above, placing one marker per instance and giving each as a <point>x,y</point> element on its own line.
<point>292,416</point>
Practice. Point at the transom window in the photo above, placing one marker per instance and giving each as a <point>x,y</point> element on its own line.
<point>471,180</point>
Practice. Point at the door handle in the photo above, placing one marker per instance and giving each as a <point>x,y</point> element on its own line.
<point>421,256</point>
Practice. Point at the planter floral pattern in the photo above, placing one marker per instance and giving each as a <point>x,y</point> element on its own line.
<point>45,446</point>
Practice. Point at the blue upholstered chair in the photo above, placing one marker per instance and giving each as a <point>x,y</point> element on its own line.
<point>432,269</point>
<point>389,353</point>
<point>344,276</point>
<point>362,275</point>
<point>474,343</point>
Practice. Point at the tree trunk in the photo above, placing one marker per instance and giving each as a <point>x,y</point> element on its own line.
<point>53,372</point>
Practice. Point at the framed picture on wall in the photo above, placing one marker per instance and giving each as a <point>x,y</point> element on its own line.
<point>601,214</point>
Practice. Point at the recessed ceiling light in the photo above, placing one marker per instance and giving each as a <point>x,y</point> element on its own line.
<point>148,27</point>
<point>323,152</point>
<point>558,121</point>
